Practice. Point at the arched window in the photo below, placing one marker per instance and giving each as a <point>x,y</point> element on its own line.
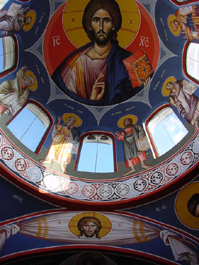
<point>96,153</point>
<point>191,61</point>
<point>8,54</point>
<point>31,126</point>
<point>164,130</point>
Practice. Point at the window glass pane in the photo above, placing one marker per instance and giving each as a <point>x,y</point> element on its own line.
<point>192,60</point>
<point>21,122</point>
<point>7,53</point>
<point>87,160</point>
<point>96,154</point>
<point>166,130</point>
<point>175,128</point>
<point>34,134</point>
<point>161,139</point>
<point>1,55</point>
<point>28,127</point>
<point>105,158</point>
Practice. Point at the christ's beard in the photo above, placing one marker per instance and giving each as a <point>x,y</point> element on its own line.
<point>89,234</point>
<point>102,39</point>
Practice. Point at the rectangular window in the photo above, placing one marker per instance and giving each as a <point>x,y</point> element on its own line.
<point>7,53</point>
<point>29,126</point>
<point>165,131</point>
<point>97,154</point>
<point>192,60</point>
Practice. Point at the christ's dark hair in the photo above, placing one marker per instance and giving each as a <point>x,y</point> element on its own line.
<point>109,5</point>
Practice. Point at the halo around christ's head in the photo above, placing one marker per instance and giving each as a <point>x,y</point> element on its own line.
<point>105,223</point>
<point>72,22</point>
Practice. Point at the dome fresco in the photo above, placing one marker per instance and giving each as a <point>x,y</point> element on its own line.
<point>99,134</point>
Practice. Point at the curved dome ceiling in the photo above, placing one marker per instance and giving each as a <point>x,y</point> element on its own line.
<point>98,112</point>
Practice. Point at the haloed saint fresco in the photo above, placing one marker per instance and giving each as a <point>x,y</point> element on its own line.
<point>16,18</point>
<point>181,93</point>
<point>185,21</point>
<point>135,143</point>
<point>101,72</point>
<point>15,93</point>
<point>65,138</point>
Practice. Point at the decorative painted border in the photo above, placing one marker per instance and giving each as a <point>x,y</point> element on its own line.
<point>59,188</point>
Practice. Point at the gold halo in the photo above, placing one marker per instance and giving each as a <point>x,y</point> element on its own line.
<point>171,18</point>
<point>166,92</point>
<point>181,205</point>
<point>35,84</point>
<point>120,123</point>
<point>31,13</point>
<point>72,22</point>
<point>78,120</point>
<point>105,223</point>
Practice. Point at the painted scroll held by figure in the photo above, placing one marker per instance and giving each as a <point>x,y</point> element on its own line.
<point>187,20</point>
<point>14,19</point>
<point>134,145</point>
<point>96,73</point>
<point>14,93</point>
<point>65,138</point>
<point>182,97</point>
